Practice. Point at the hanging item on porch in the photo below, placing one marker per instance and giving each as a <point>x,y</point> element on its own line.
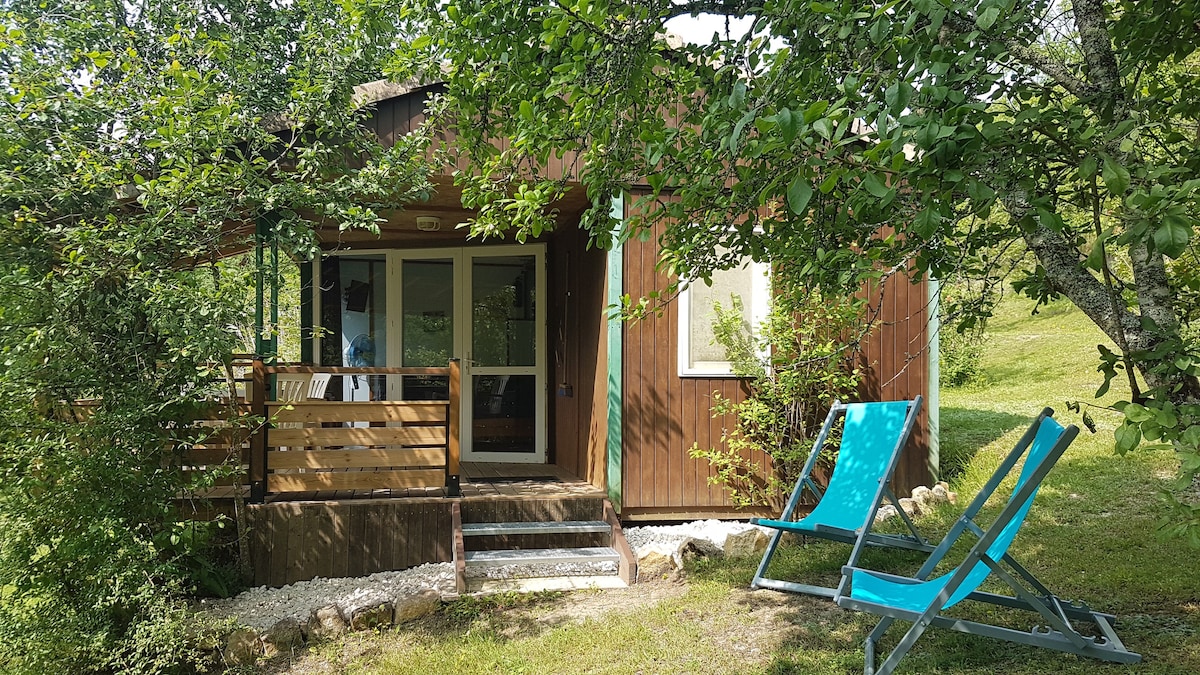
<point>357,295</point>
<point>360,354</point>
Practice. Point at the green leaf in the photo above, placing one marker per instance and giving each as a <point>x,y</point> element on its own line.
<point>526,111</point>
<point>1128,437</point>
<point>1138,413</point>
<point>799,192</point>
<point>876,186</point>
<point>788,124</point>
<point>987,17</point>
<point>1087,168</point>
<point>1096,256</point>
<point>1171,236</point>
<point>927,221</point>
<point>1115,176</point>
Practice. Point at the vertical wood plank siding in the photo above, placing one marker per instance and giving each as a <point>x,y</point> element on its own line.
<point>575,285</point>
<point>297,541</point>
<point>664,414</point>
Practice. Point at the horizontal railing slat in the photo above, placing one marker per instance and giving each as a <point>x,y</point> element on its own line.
<point>210,455</point>
<point>366,411</point>
<point>347,370</point>
<point>346,459</point>
<point>318,436</point>
<point>355,480</point>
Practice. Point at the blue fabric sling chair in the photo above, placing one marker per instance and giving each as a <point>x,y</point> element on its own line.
<point>872,437</point>
<point>922,600</point>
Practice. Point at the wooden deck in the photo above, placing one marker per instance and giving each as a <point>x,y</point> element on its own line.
<point>480,480</point>
<point>298,536</point>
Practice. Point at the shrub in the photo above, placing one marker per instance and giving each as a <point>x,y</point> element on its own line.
<point>806,339</point>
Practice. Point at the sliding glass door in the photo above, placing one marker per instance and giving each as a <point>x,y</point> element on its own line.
<point>419,308</point>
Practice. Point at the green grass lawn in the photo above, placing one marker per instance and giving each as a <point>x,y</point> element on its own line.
<point>1090,536</point>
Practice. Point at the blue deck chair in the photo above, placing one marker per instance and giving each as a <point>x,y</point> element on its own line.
<point>922,600</point>
<point>872,437</point>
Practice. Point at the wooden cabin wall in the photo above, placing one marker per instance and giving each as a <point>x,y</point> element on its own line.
<point>664,414</point>
<point>895,363</point>
<point>394,117</point>
<point>578,356</point>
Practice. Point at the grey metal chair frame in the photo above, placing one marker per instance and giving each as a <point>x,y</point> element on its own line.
<point>861,536</point>
<point>1031,595</point>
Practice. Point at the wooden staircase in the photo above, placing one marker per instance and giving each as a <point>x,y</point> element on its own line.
<point>535,544</point>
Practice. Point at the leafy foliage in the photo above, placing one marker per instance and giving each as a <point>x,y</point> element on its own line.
<point>808,365</point>
<point>856,139</point>
<point>140,143</point>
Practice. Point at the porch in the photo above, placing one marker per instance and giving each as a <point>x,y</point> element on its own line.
<point>350,488</point>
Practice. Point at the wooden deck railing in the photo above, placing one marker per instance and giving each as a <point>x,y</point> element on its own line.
<point>317,445</point>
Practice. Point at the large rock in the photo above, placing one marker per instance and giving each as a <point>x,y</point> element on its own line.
<point>910,506</point>
<point>326,622</point>
<point>283,637</point>
<point>884,513</point>
<point>372,616</point>
<point>749,542</point>
<point>242,648</point>
<point>923,495</point>
<point>411,607</point>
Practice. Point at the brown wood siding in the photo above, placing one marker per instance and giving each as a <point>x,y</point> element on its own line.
<point>578,355</point>
<point>895,362</point>
<point>296,541</point>
<point>664,414</point>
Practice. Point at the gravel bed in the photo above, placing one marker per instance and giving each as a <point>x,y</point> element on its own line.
<point>259,608</point>
<point>708,535</point>
<point>542,570</point>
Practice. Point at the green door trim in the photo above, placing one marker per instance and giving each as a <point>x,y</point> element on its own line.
<point>616,288</point>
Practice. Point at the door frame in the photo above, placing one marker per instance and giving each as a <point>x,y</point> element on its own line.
<point>538,370</point>
<point>462,257</point>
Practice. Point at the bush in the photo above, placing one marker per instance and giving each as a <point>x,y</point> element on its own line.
<point>958,356</point>
<point>962,337</point>
<point>808,365</point>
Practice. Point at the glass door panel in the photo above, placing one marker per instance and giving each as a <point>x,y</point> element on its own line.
<point>505,362</point>
<point>354,311</point>
<point>427,298</point>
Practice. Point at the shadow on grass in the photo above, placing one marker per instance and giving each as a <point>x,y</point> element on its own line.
<point>965,431</point>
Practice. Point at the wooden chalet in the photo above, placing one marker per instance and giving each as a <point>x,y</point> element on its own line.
<point>476,396</point>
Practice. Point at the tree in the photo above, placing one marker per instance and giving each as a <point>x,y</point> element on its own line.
<point>858,138</point>
<point>140,142</point>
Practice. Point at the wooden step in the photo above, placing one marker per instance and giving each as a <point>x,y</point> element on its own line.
<point>542,556</point>
<point>560,527</point>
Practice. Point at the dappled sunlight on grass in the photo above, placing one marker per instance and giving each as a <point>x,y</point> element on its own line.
<point>1090,536</point>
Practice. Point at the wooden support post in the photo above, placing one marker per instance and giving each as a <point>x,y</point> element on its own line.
<point>452,432</point>
<point>460,550</point>
<point>258,442</point>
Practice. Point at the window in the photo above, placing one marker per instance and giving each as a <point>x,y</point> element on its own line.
<point>699,355</point>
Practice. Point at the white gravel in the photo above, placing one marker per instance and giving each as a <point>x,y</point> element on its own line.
<point>708,535</point>
<point>259,608</point>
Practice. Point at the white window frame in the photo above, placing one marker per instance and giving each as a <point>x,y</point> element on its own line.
<point>759,305</point>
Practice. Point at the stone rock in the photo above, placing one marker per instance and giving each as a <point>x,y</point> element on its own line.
<point>282,637</point>
<point>326,622</point>
<point>942,491</point>
<point>885,512</point>
<point>922,495</point>
<point>910,506</point>
<point>654,562</point>
<point>373,616</point>
<point>243,647</point>
<point>415,606</point>
<point>747,543</point>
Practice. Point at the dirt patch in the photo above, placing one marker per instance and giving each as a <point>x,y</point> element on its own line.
<point>750,627</point>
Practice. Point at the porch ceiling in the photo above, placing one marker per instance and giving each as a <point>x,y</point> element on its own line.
<point>399,228</point>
